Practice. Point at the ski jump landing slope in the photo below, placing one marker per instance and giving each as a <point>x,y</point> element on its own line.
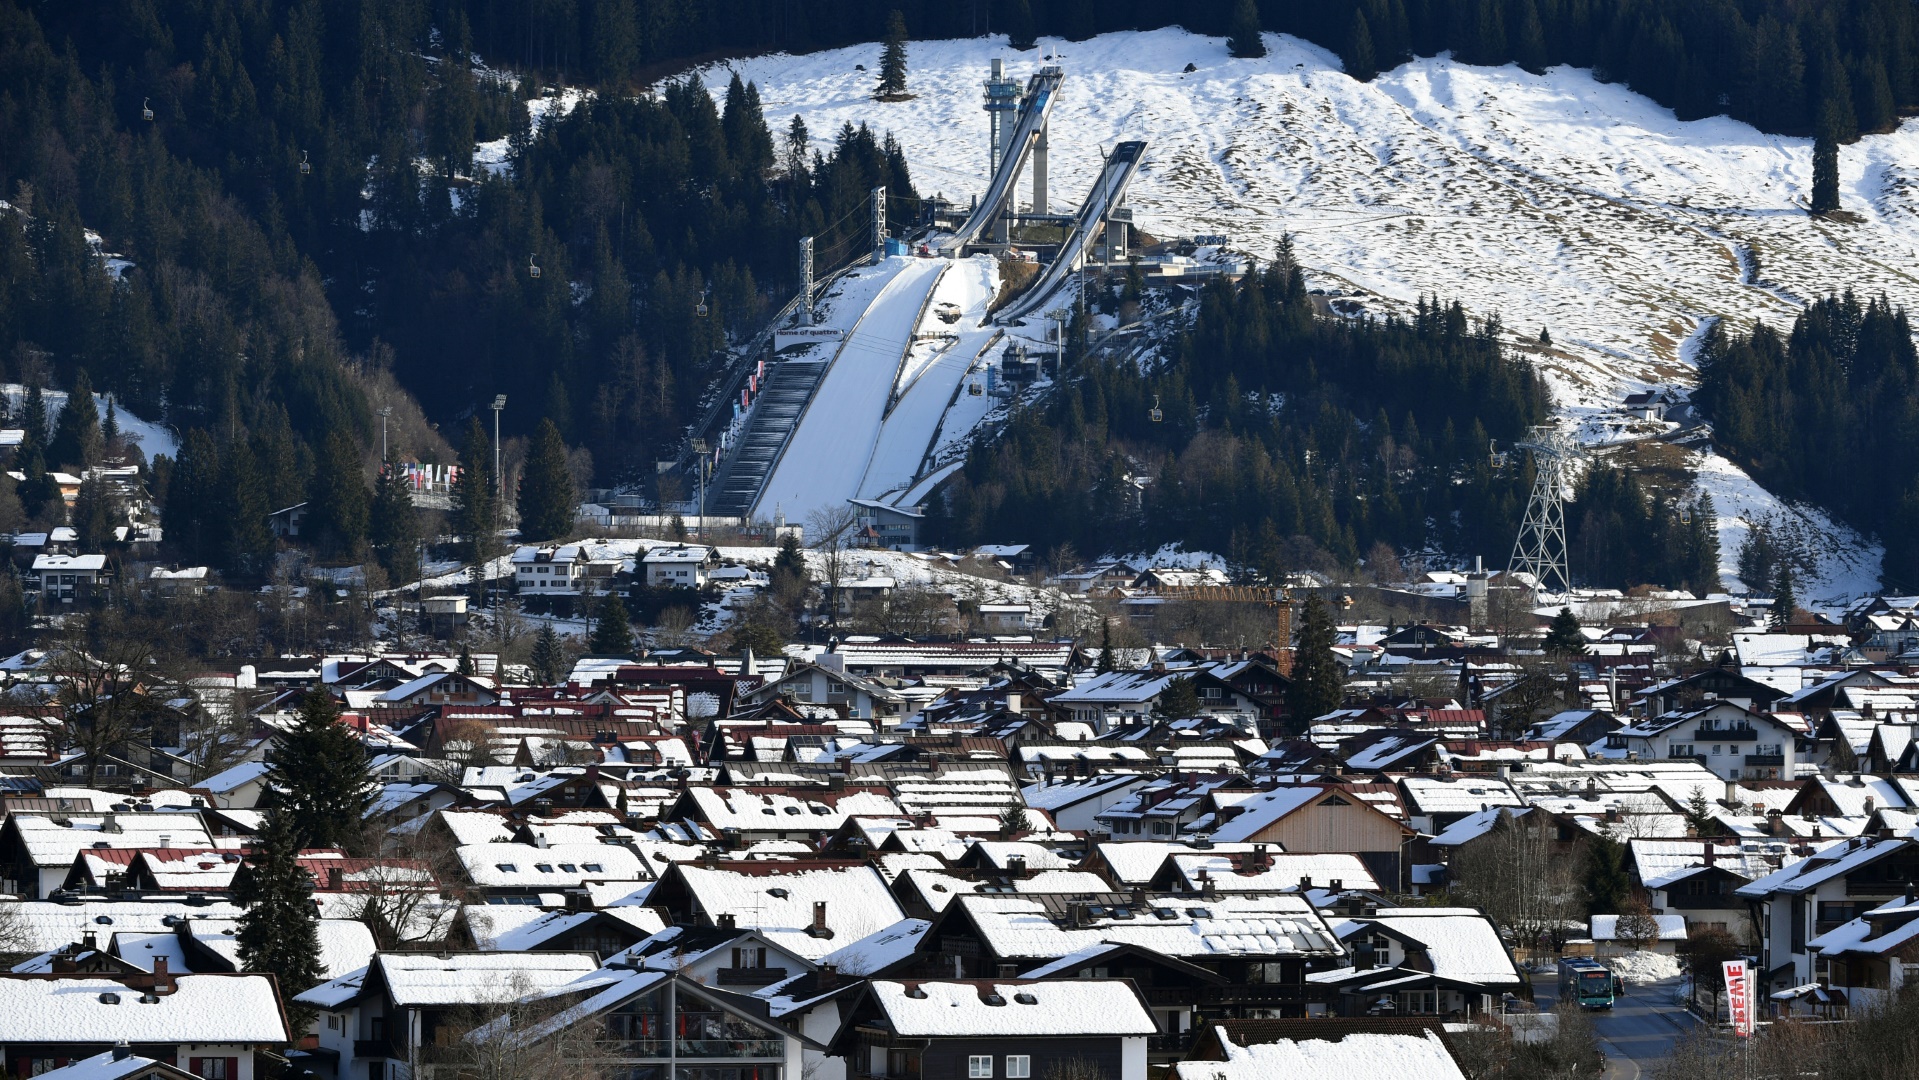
<point>826,458</point>
<point>931,381</point>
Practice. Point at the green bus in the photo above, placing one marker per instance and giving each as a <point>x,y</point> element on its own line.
<point>1585,980</point>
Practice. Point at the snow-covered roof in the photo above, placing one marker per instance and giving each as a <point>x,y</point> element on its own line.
<point>879,950</point>
<point>1286,872</point>
<point>555,866</point>
<point>1137,862</point>
<point>424,980</point>
<point>1431,795</point>
<point>939,889</point>
<point>1834,860</point>
<point>1357,1054</point>
<point>781,905</point>
<point>752,810</point>
<point>1461,943</point>
<point>523,928</point>
<point>1475,825</point>
<point>1181,926</point>
<point>44,925</point>
<point>1260,809</point>
<point>1661,863</point>
<point>218,1008</point>
<point>50,843</point>
<point>1062,1007</point>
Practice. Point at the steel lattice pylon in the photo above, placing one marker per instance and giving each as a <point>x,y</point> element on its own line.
<point>1540,549</point>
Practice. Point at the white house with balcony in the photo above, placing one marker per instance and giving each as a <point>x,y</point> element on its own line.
<point>683,566</point>
<point>1735,742</point>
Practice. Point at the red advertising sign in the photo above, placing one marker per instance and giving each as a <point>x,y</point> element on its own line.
<point>1739,996</point>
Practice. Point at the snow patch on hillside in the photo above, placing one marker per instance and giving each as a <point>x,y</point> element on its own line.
<point>1555,200</point>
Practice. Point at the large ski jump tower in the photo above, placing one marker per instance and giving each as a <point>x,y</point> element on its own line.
<point>1002,113</point>
<point>1540,548</point>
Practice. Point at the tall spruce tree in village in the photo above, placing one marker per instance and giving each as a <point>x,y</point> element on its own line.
<point>1784,599</point>
<point>548,501</point>
<point>246,540</point>
<point>549,657</point>
<point>1563,638</point>
<point>1179,700</point>
<point>279,932</point>
<point>1317,687</point>
<point>892,84</point>
<point>612,633</point>
<point>316,777</point>
<point>76,435</point>
<point>393,526</point>
<point>475,508</point>
<point>337,499</point>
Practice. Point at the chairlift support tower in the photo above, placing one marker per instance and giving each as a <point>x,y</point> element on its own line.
<point>1540,548</point>
<point>879,223</point>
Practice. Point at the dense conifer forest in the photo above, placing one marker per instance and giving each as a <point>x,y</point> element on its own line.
<point>1827,413</point>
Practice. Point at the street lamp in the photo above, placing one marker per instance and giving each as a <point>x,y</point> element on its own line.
<point>385,412</point>
<point>499,402</point>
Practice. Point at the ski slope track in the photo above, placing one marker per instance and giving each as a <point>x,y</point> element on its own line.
<point>826,458</point>
<point>1552,200</point>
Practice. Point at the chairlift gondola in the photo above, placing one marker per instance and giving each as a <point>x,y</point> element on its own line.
<point>700,308</point>
<point>974,389</point>
<point>532,268</point>
<point>146,109</point>
<point>1156,414</point>
<point>306,167</point>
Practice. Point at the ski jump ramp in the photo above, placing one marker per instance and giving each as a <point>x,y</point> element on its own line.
<point>1107,192</point>
<point>1037,104</point>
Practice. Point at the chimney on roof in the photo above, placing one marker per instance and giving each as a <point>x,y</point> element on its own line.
<point>163,980</point>
<point>1016,865</point>
<point>710,859</point>
<point>1871,804</point>
<point>121,1051</point>
<point>335,879</point>
<point>1012,703</point>
<point>828,978</point>
<point>88,942</point>
<point>819,928</point>
<point>1305,882</point>
<point>111,824</point>
<point>727,922</point>
<point>1775,822</point>
<point>1262,858</point>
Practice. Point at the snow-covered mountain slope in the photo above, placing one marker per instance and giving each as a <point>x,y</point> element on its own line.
<point>1553,200</point>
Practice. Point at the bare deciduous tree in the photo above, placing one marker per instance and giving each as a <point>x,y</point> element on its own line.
<point>1517,876</point>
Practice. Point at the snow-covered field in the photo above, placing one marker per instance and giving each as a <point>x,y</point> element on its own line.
<point>1552,200</point>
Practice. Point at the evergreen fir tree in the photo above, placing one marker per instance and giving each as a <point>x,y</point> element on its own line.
<point>1529,39</point>
<point>1317,687</point>
<point>549,657</point>
<point>1545,337</point>
<point>110,427</point>
<point>1607,886</point>
<point>612,634</point>
<point>316,776</point>
<point>1179,700</point>
<point>33,422</point>
<point>1358,56</point>
<point>791,561</point>
<point>548,501</point>
<point>474,511</point>
<point>393,525</point>
<point>246,541</point>
<point>1825,174</point>
<point>1784,602</point>
<point>892,84</point>
<point>1017,20</point>
<point>1563,637</point>
<point>95,514</point>
<point>279,932</point>
<point>76,437</point>
<point>1243,37</point>
<point>1105,646</point>
<point>337,498</point>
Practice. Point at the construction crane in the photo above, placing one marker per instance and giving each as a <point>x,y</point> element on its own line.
<point>1540,548</point>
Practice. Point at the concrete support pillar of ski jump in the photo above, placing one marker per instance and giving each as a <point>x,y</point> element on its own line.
<point>1039,171</point>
